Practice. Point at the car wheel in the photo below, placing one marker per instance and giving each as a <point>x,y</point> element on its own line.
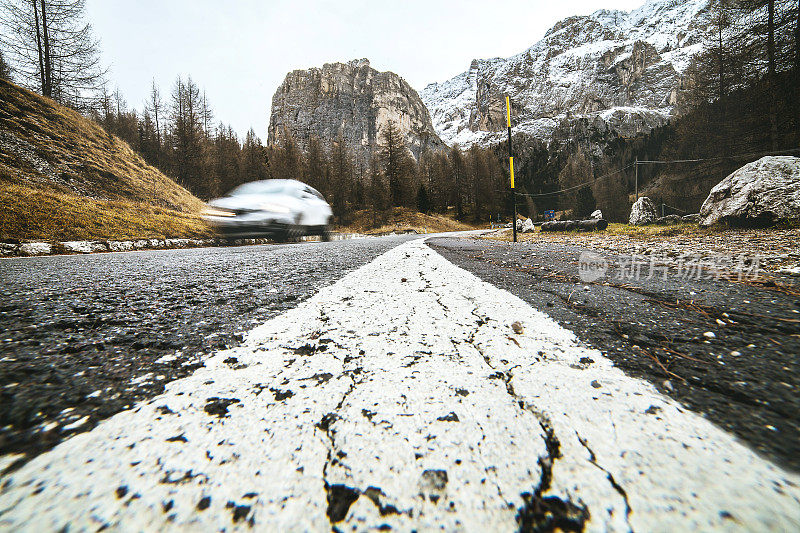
<point>325,232</point>
<point>293,233</point>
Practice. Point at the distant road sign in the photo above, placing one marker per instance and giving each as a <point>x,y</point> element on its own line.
<point>550,214</point>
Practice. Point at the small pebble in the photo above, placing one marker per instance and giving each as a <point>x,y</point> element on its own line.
<point>735,353</point>
<point>709,335</point>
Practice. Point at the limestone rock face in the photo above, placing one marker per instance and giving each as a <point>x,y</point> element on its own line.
<point>761,192</point>
<point>352,100</point>
<point>643,212</point>
<point>620,71</point>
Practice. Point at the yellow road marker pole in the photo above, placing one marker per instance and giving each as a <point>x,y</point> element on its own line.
<point>511,169</point>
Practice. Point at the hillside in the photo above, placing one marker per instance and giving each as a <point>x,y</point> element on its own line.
<point>621,71</point>
<point>401,220</point>
<point>63,177</point>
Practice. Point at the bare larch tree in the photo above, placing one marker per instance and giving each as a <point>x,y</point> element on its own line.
<point>51,49</point>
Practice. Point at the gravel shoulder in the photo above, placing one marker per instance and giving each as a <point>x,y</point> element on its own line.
<point>776,248</point>
<point>726,349</point>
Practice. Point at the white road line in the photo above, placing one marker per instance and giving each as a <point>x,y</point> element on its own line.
<point>401,396</point>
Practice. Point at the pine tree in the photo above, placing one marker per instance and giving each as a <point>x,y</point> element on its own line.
<point>254,158</point>
<point>5,70</point>
<point>396,165</point>
<point>377,189</point>
<point>585,203</point>
<point>228,158</point>
<point>186,135</point>
<point>423,203</point>
<point>52,49</point>
<point>286,159</point>
<point>317,167</point>
<point>341,177</point>
<point>458,170</point>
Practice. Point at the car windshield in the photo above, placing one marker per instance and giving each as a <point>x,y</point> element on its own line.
<point>259,187</point>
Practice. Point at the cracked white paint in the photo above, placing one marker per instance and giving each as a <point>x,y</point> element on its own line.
<point>403,370</point>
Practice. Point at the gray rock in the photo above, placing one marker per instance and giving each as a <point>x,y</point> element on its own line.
<point>520,223</point>
<point>597,215</point>
<point>527,226</point>
<point>8,249</point>
<point>669,219</point>
<point>177,243</point>
<point>694,217</point>
<point>643,212</point>
<point>761,192</point>
<point>84,247</point>
<point>793,270</point>
<point>35,248</point>
<point>352,100</point>
<point>120,246</point>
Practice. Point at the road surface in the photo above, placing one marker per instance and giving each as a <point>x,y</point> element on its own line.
<point>408,393</point>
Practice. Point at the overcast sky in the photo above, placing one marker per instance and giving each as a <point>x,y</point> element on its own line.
<point>240,50</point>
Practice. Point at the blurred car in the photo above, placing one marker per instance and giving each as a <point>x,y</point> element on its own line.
<point>280,209</point>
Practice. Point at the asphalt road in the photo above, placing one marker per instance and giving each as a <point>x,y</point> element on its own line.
<point>84,337</point>
<point>745,378</point>
<point>387,384</point>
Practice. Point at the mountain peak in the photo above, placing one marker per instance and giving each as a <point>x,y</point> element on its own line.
<point>352,101</point>
<point>622,69</point>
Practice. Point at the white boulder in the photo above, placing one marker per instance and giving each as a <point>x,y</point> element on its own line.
<point>760,192</point>
<point>643,212</point>
<point>35,248</point>
<point>120,246</point>
<point>8,249</point>
<point>597,215</point>
<point>83,247</point>
<point>527,226</point>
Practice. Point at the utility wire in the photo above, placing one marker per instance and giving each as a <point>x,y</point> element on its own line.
<point>595,180</point>
<point>579,185</point>
<point>740,156</point>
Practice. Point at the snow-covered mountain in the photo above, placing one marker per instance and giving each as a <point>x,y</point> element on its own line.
<point>620,70</point>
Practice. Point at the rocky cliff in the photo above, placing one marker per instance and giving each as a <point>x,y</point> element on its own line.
<point>618,70</point>
<point>352,100</point>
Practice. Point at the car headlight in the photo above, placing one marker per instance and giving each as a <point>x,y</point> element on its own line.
<point>214,212</point>
<point>274,208</point>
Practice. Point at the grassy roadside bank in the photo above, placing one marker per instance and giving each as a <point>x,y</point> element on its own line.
<point>32,214</point>
<point>400,220</point>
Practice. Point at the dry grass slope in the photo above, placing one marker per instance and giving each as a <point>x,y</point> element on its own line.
<point>63,176</point>
<point>401,219</point>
